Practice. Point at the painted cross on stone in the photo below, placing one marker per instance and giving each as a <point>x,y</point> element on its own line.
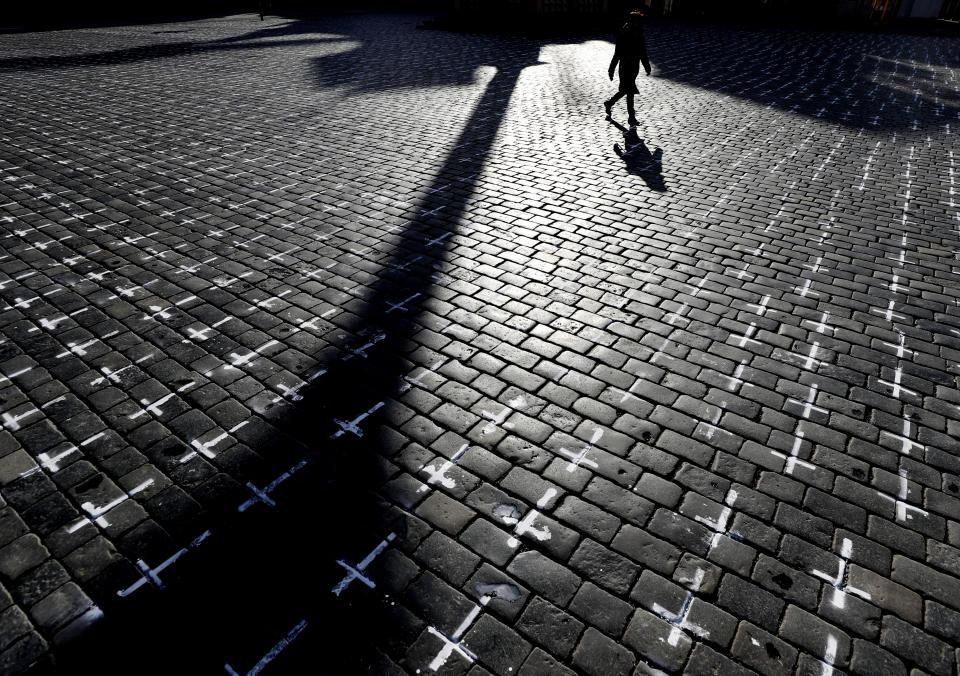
<point>358,572</point>
<point>451,643</point>
<point>151,576</point>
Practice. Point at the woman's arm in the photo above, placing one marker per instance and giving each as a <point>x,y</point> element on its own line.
<point>616,59</point>
<point>644,59</point>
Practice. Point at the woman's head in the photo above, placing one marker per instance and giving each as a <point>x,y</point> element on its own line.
<point>635,18</point>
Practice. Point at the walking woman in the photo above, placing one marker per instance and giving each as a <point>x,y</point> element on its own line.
<point>631,51</point>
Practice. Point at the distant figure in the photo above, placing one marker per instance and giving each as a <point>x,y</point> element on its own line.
<point>631,51</point>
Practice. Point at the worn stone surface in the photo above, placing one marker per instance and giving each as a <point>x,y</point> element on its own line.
<point>326,318</point>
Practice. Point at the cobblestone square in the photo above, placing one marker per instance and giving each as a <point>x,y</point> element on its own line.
<point>337,346</point>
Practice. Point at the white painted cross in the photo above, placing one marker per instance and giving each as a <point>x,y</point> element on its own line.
<point>79,349</point>
<point>810,359</point>
<point>735,380</point>
<point>888,314</point>
<point>353,426</point>
<point>501,417</point>
<point>895,387</point>
<point>839,581</point>
<point>904,510</point>
<point>746,337</point>
<point>900,345</point>
<point>205,448</point>
<point>15,374</point>
<point>12,422</point>
<point>362,350</point>
<point>680,620</point>
<point>268,303</point>
<point>829,655</point>
<point>315,273</point>
<point>97,515</point>
<point>451,644</point>
<point>237,360</point>
<point>906,443</point>
<point>720,525</point>
<point>699,285</point>
<point>358,572</point>
<point>677,314</point>
<point>51,463</point>
<point>761,306</point>
<point>151,576</point>
<point>525,525</point>
<point>291,393</point>
<point>580,458</point>
<point>792,460</point>
<point>712,428</point>
<point>816,266</point>
<point>409,382</point>
<point>278,256</point>
<point>807,406</point>
<point>402,305</point>
<point>153,407</point>
<point>272,654</point>
<point>198,336</point>
<point>308,324</point>
<point>821,326</point>
<point>439,474</point>
<point>108,374</point>
<point>405,265</point>
<point>804,291</point>
<point>263,494</point>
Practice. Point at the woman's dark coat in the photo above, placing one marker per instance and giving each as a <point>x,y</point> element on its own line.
<point>631,51</point>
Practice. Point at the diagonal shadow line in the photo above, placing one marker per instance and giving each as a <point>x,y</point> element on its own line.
<point>782,74</point>
<point>259,574</point>
<point>148,53</point>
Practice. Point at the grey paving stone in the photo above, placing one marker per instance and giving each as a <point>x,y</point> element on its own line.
<point>762,651</point>
<point>909,642</point>
<point>660,642</point>
<point>600,609</point>
<point>868,659</point>
<point>925,579</point>
<point>704,660</point>
<point>597,654</point>
<point>540,663</point>
<point>816,636</point>
<point>647,550</point>
<point>452,561</point>
<point>550,627</point>
<point>550,579</point>
<point>202,289</point>
<point>604,566</point>
<point>497,646</point>
<point>750,602</point>
<point>887,594</point>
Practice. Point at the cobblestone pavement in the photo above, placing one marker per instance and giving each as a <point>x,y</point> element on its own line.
<point>336,346</point>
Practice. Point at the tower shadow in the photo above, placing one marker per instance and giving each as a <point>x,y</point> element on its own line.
<point>263,572</point>
<point>855,79</point>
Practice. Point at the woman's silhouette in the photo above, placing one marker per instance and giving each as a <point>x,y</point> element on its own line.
<point>630,52</point>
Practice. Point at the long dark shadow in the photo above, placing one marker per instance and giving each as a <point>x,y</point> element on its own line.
<point>638,159</point>
<point>261,573</point>
<point>855,79</point>
<point>146,53</point>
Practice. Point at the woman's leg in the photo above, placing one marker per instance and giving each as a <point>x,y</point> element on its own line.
<point>608,104</point>
<point>632,117</point>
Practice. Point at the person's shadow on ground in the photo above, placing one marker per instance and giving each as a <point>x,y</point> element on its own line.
<point>638,159</point>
